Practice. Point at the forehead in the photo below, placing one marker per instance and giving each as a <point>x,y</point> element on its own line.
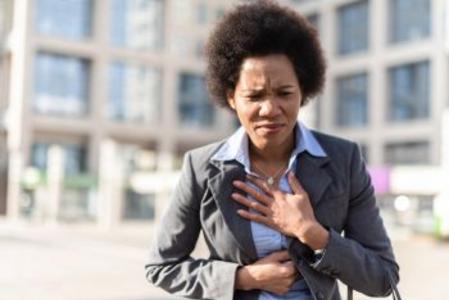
<point>262,71</point>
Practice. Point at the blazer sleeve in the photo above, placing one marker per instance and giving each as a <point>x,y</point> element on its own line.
<point>363,259</point>
<point>170,265</point>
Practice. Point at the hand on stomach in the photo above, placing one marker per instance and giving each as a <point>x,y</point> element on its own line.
<point>274,273</point>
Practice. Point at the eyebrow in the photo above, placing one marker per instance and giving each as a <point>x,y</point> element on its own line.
<point>286,86</point>
<point>256,90</point>
<point>259,90</point>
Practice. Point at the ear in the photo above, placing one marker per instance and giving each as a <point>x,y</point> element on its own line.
<point>231,99</point>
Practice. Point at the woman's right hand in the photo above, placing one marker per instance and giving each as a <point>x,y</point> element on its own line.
<point>274,273</point>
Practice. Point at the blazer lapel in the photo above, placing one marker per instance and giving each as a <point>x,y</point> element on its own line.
<point>312,176</point>
<point>222,188</point>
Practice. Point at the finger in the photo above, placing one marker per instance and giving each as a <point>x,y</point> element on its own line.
<point>279,256</point>
<point>251,204</point>
<point>289,263</point>
<point>296,186</point>
<point>261,197</point>
<point>256,218</point>
<point>262,184</point>
<point>290,268</point>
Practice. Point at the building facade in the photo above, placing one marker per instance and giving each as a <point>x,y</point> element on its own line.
<point>112,92</point>
<point>387,90</point>
<point>88,73</point>
<point>386,85</point>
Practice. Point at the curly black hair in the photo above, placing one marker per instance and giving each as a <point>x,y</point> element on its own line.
<point>258,29</point>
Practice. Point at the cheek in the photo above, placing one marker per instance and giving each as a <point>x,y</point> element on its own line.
<point>247,112</point>
<point>292,109</point>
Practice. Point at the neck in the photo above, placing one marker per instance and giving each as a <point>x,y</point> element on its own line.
<point>272,155</point>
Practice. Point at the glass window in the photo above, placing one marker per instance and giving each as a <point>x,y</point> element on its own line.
<point>202,14</point>
<point>136,158</point>
<point>219,12</point>
<point>353,27</point>
<point>137,24</point>
<point>352,101</point>
<point>75,157</point>
<point>138,206</point>
<point>2,22</point>
<point>68,18</point>
<point>77,204</point>
<point>6,17</point>
<point>409,92</point>
<point>134,93</point>
<point>408,153</point>
<point>409,20</point>
<point>195,108</point>
<point>61,85</point>
<point>314,19</point>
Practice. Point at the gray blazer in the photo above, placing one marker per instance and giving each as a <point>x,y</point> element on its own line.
<point>342,196</point>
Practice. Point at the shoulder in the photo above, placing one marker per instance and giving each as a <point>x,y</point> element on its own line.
<point>337,148</point>
<point>197,162</point>
<point>203,154</point>
<point>198,159</point>
<point>332,142</point>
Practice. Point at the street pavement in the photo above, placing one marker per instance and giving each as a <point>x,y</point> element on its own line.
<point>81,262</point>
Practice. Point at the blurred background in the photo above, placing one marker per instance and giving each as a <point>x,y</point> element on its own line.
<point>100,99</point>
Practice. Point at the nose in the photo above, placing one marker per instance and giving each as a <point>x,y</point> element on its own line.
<point>269,108</point>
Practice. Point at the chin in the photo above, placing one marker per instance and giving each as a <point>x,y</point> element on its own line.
<point>269,142</point>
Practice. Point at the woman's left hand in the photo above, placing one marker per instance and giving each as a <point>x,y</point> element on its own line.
<point>291,214</point>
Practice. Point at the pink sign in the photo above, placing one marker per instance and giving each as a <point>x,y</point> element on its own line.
<point>380,177</point>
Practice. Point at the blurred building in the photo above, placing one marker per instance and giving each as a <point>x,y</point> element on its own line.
<point>98,96</point>
<point>5,26</point>
<point>121,79</point>
<point>387,89</point>
<point>388,66</point>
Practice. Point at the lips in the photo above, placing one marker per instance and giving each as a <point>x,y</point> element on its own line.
<point>270,127</point>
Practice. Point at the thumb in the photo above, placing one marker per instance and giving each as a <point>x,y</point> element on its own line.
<point>295,184</point>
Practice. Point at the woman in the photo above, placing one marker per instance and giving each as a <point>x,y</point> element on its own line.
<point>272,199</point>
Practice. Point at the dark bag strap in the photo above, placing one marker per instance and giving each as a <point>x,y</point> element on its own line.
<point>394,292</point>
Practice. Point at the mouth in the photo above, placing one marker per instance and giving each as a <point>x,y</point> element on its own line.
<point>271,127</point>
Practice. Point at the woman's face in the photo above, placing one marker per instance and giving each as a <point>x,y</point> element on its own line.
<point>266,99</point>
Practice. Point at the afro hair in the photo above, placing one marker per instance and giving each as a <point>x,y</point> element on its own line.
<point>257,29</point>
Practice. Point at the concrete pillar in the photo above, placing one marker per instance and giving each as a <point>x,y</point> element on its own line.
<point>110,185</point>
<point>14,192</point>
<point>55,182</point>
<point>166,155</point>
<point>20,87</point>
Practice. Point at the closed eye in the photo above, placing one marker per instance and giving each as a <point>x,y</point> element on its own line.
<point>285,93</point>
<point>255,97</point>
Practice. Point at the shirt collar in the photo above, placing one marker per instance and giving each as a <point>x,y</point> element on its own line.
<point>236,146</point>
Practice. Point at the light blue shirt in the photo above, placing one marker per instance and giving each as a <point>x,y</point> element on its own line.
<point>267,240</point>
